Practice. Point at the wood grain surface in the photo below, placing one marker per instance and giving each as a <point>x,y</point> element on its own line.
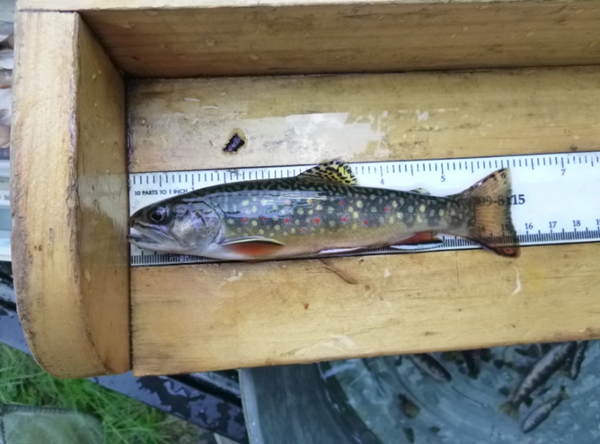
<point>184,124</point>
<point>191,38</point>
<point>208,317</point>
<point>69,198</point>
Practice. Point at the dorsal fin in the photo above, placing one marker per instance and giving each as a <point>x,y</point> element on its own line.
<point>335,171</point>
<point>421,191</point>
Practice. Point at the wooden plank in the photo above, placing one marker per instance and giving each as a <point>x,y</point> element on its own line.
<point>184,124</point>
<point>87,5</point>
<point>186,39</point>
<point>208,317</point>
<point>69,188</point>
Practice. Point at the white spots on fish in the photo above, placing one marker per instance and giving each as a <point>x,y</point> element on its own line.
<point>275,219</point>
<point>354,226</point>
<point>441,213</point>
<point>261,231</point>
<point>254,223</point>
<point>452,212</point>
<point>332,223</point>
<point>310,212</point>
<point>372,197</point>
<point>359,204</point>
<point>419,219</point>
<point>394,204</point>
<point>391,219</point>
<point>421,208</point>
<point>264,202</point>
<point>381,220</point>
<point>330,210</point>
<point>254,209</point>
<point>399,215</point>
<point>373,209</point>
<point>277,227</point>
<point>293,230</point>
<point>300,211</point>
<point>321,230</point>
<point>230,221</point>
<point>431,212</point>
<point>297,222</point>
<point>350,210</point>
<point>319,207</point>
<point>411,209</point>
<point>254,199</point>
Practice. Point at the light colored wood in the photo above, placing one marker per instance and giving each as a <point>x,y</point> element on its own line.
<point>69,198</point>
<point>183,124</point>
<point>187,38</point>
<point>87,5</point>
<point>208,317</point>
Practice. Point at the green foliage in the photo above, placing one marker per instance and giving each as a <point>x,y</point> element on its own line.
<point>124,420</point>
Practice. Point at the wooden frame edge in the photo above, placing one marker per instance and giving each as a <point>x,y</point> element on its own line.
<point>59,296</point>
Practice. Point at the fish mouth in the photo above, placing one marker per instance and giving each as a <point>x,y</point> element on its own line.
<point>138,239</point>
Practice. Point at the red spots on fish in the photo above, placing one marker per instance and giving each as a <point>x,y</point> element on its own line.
<point>288,202</point>
<point>344,219</point>
<point>244,220</point>
<point>303,229</point>
<point>386,209</point>
<point>264,218</point>
<point>287,220</point>
<point>317,220</point>
<point>365,222</point>
<point>342,203</point>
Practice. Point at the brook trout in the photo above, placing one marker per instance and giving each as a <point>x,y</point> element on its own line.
<point>321,211</point>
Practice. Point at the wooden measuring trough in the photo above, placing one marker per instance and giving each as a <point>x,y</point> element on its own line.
<point>105,88</point>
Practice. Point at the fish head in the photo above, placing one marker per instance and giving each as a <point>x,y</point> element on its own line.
<point>176,227</point>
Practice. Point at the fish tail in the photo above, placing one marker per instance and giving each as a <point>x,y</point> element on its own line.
<point>563,394</point>
<point>511,409</point>
<point>492,225</point>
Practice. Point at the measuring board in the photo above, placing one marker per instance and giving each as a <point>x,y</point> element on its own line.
<point>555,197</point>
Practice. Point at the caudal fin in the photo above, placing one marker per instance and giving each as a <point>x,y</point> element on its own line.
<point>493,228</point>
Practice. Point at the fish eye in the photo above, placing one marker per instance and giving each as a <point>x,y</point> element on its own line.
<point>160,214</point>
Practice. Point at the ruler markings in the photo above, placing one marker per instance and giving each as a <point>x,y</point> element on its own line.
<point>559,203</point>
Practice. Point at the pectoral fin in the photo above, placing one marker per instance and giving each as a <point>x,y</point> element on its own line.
<point>254,246</point>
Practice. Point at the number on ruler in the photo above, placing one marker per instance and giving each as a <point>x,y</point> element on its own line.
<point>528,226</point>
<point>552,224</point>
<point>443,178</point>
<point>563,171</point>
<point>576,223</point>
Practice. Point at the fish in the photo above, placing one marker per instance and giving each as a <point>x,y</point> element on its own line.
<point>322,211</point>
<point>428,365</point>
<point>471,358</point>
<point>541,371</point>
<point>538,415</point>
<point>578,357</point>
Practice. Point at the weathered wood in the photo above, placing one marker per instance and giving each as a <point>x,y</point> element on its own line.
<point>207,317</point>
<point>184,124</point>
<point>191,38</point>
<point>69,198</point>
